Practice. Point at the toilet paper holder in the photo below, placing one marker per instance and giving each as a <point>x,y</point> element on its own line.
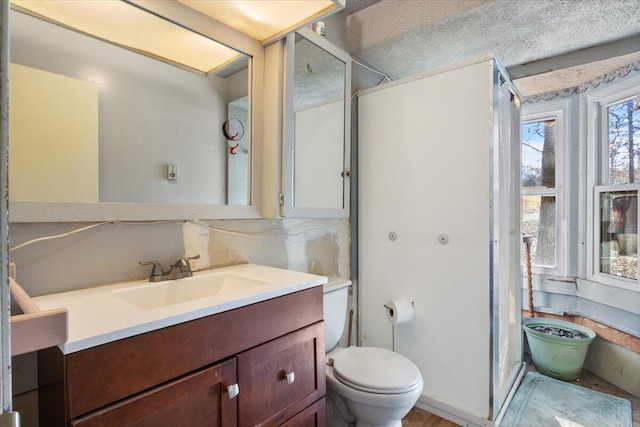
<point>390,309</point>
<point>393,325</point>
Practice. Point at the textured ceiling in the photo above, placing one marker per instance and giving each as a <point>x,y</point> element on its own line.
<point>390,19</point>
<point>402,37</point>
<point>352,6</point>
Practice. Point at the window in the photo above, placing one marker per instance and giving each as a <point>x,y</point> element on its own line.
<point>544,136</point>
<point>614,144</point>
<point>618,231</point>
<point>538,190</point>
<point>623,127</point>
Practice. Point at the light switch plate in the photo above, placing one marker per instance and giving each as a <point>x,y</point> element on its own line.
<point>172,172</point>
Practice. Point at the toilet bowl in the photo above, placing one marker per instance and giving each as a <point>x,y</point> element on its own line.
<point>366,386</point>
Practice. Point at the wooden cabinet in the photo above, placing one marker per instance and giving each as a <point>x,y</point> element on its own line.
<point>281,377</point>
<point>314,415</point>
<point>179,375</point>
<point>196,400</point>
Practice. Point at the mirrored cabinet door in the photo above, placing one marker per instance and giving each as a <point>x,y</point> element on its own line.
<point>316,146</point>
<point>140,116</point>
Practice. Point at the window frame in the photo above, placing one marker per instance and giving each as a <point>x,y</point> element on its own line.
<point>597,174</point>
<point>598,276</point>
<point>558,111</point>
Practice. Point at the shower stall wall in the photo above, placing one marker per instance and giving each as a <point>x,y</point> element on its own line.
<point>439,223</point>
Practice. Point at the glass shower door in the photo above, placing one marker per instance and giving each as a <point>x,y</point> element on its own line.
<point>506,274</point>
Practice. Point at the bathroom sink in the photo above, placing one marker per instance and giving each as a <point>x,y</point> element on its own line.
<point>155,295</point>
<point>103,314</point>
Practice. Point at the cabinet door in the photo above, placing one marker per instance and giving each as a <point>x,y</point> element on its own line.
<point>282,377</point>
<point>313,416</point>
<point>198,399</point>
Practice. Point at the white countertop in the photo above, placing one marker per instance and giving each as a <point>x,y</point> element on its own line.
<point>99,316</point>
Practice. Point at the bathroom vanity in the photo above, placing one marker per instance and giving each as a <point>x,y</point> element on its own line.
<point>261,363</point>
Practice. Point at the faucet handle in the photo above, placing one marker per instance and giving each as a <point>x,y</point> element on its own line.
<point>182,268</point>
<point>187,259</point>
<point>156,271</point>
<point>184,262</point>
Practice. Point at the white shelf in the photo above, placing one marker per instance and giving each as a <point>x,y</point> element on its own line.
<point>35,329</point>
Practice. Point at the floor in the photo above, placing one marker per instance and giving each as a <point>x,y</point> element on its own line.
<point>420,418</point>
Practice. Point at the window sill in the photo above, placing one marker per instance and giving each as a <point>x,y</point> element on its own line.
<point>613,306</point>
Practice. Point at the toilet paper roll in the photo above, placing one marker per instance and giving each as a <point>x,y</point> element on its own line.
<point>399,311</point>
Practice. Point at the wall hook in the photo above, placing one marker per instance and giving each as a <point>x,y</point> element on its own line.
<point>232,150</point>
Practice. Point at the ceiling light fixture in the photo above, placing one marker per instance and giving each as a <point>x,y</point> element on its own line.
<point>266,20</point>
<point>130,27</point>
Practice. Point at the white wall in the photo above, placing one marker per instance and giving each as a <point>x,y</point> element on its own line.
<point>110,252</point>
<point>615,363</point>
<point>239,163</point>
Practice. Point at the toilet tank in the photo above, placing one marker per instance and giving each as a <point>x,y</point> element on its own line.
<point>336,296</point>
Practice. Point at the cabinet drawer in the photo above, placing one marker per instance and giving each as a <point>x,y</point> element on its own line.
<point>198,399</point>
<point>313,416</point>
<point>267,397</point>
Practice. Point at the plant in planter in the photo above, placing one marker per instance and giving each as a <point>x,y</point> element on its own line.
<point>558,348</point>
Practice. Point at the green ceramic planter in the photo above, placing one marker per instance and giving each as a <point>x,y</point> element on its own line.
<point>556,356</point>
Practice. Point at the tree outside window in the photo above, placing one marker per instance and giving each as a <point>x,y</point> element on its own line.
<point>619,208</point>
<point>624,137</point>
<point>539,189</point>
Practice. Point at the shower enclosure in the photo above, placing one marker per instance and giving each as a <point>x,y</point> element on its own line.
<point>439,223</point>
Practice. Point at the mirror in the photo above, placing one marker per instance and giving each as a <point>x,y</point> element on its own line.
<point>317,128</point>
<point>96,121</point>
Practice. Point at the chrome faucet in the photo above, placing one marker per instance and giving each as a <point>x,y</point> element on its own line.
<point>181,268</point>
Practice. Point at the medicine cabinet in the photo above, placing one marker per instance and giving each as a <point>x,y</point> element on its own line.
<point>316,128</point>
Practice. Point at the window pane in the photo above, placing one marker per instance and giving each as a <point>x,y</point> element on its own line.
<point>538,154</point>
<point>624,137</point>
<point>619,233</point>
<point>539,222</point>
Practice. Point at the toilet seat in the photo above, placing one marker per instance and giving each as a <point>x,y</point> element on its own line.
<point>376,370</point>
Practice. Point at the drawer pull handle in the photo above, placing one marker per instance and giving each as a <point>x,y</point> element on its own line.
<point>290,377</point>
<point>233,390</point>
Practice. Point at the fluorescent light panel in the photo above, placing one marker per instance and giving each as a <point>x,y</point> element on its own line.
<point>264,20</point>
<point>128,26</point>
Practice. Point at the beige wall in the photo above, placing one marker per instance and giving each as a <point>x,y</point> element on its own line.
<point>54,137</point>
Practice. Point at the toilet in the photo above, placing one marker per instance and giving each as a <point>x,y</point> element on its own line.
<point>366,386</point>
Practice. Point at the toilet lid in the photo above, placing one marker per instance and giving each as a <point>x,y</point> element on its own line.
<point>376,370</point>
